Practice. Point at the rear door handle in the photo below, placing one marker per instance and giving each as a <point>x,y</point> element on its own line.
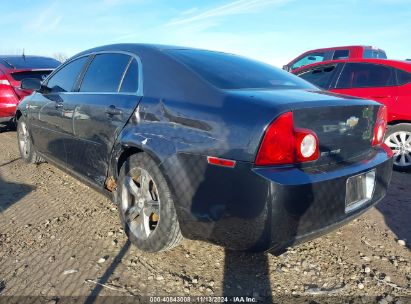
<point>112,110</point>
<point>382,96</point>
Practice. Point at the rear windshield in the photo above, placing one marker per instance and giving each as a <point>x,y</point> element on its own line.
<point>369,53</point>
<point>41,75</point>
<point>227,71</point>
<point>28,62</point>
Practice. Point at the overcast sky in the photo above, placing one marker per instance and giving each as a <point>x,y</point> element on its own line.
<point>274,31</point>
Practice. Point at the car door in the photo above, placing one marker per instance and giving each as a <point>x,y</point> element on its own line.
<point>50,125</point>
<point>322,76</point>
<point>107,96</point>
<point>367,80</point>
<point>401,109</point>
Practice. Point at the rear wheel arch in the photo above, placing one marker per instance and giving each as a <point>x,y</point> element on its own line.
<point>18,115</point>
<point>125,154</point>
<point>397,122</point>
<point>126,151</point>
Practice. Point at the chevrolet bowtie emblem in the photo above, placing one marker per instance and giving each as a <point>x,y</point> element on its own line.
<point>352,122</point>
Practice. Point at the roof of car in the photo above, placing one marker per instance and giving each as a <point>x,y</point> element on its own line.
<point>137,47</point>
<point>345,47</point>
<point>400,64</point>
<point>26,61</point>
<point>20,56</point>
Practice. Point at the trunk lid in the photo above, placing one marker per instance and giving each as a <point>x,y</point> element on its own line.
<point>344,132</point>
<point>343,124</point>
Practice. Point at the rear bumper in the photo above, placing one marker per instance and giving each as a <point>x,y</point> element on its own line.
<point>6,119</point>
<point>272,208</point>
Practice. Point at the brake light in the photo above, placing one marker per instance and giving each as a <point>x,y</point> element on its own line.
<point>3,79</point>
<point>380,127</point>
<point>284,144</point>
<point>6,90</point>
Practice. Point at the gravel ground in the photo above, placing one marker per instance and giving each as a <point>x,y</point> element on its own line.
<point>59,238</point>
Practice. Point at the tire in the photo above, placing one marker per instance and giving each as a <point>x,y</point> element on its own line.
<point>148,217</point>
<point>13,124</point>
<point>26,148</point>
<point>398,138</point>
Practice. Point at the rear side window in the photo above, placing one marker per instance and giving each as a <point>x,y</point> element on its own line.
<point>65,78</point>
<point>370,53</point>
<point>364,75</point>
<point>403,77</point>
<point>309,59</point>
<point>321,77</point>
<point>130,81</point>
<point>341,54</point>
<point>104,73</point>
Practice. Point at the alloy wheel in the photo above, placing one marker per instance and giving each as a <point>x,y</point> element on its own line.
<point>400,144</point>
<point>140,203</point>
<point>24,140</point>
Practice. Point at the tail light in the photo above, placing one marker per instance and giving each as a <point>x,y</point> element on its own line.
<point>6,90</point>
<point>380,127</point>
<point>284,144</point>
<point>4,80</point>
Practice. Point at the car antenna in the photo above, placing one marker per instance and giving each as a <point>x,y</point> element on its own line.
<point>24,56</point>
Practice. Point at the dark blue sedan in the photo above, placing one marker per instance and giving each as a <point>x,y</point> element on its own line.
<point>207,145</point>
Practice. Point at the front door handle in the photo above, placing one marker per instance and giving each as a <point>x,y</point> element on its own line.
<point>112,110</point>
<point>59,105</point>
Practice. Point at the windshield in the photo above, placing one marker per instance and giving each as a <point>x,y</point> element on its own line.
<point>227,71</point>
<point>29,62</point>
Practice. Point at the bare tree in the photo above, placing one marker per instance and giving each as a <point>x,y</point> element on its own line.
<point>60,57</point>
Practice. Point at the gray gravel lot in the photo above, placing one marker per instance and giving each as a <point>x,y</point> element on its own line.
<point>60,238</point>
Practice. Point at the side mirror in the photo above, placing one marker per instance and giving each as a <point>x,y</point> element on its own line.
<point>31,84</point>
<point>286,68</point>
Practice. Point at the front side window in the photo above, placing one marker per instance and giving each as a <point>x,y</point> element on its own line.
<point>66,77</point>
<point>227,71</point>
<point>309,59</point>
<point>365,75</point>
<point>104,73</point>
<point>341,54</point>
<point>321,77</point>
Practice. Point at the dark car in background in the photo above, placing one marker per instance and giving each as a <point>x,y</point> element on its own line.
<point>187,144</point>
<point>334,53</point>
<point>385,81</point>
<point>13,69</point>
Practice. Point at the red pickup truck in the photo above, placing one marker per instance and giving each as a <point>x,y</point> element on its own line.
<point>335,53</point>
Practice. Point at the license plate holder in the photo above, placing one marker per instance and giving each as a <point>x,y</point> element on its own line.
<point>359,190</point>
